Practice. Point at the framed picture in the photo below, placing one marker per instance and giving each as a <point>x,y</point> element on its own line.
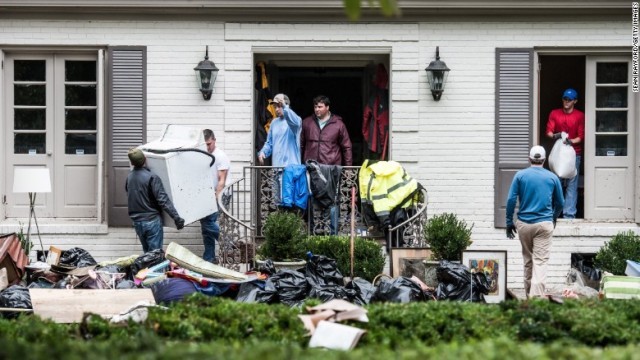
<point>494,266</point>
<point>409,261</point>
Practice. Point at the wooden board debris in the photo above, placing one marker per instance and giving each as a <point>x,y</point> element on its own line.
<point>69,305</point>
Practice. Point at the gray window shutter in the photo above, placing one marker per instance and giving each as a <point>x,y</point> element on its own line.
<point>514,121</point>
<point>126,122</point>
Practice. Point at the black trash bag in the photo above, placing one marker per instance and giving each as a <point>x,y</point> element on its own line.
<point>589,273</point>
<point>41,283</point>
<point>330,292</point>
<point>322,270</point>
<point>63,283</point>
<point>268,295</point>
<point>249,291</point>
<point>267,268</point>
<point>15,297</point>
<point>458,283</point>
<point>291,287</point>
<point>146,260</point>
<point>363,291</point>
<point>399,290</point>
<point>171,290</point>
<point>77,257</point>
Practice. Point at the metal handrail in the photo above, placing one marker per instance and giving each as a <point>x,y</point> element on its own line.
<point>416,215</point>
<point>226,212</point>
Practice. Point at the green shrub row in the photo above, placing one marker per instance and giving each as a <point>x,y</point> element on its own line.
<point>146,345</point>
<point>204,319</point>
<point>368,258</point>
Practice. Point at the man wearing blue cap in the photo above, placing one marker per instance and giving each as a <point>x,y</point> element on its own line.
<point>569,120</point>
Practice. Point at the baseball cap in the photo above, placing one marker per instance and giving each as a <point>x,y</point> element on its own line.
<point>537,153</point>
<point>136,157</point>
<point>570,93</point>
<point>280,98</point>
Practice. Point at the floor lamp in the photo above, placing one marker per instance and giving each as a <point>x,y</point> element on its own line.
<point>32,180</point>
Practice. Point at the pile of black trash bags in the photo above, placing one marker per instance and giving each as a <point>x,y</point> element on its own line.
<point>322,280</point>
<point>319,279</point>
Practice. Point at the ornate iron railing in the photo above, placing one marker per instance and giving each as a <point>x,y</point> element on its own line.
<point>247,202</point>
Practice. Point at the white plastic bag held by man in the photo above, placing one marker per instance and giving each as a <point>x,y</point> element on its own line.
<point>562,159</point>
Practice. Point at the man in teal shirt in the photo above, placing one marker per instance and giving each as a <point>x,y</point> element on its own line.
<point>541,202</point>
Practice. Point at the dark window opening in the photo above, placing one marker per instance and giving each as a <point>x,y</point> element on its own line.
<point>558,73</point>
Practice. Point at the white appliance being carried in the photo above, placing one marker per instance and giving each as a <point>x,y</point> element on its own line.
<point>181,160</point>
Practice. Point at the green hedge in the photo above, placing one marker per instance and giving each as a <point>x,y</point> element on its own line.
<point>368,258</point>
<point>222,328</point>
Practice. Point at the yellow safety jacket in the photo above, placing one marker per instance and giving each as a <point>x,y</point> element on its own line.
<point>384,186</point>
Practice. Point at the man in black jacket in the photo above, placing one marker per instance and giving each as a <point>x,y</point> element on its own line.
<point>146,200</point>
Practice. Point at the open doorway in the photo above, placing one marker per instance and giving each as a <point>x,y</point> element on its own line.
<point>345,78</point>
<point>557,73</point>
<point>343,86</point>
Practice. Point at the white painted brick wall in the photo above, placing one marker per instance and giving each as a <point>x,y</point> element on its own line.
<point>447,145</point>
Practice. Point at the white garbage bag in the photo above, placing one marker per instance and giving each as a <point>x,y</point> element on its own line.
<point>562,159</point>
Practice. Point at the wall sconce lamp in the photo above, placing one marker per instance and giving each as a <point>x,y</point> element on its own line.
<point>437,73</point>
<point>206,73</point>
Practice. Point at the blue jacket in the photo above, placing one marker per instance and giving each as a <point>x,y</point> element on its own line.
<point>283,139</point>
<point>540,195</point>
<point>294,187</point>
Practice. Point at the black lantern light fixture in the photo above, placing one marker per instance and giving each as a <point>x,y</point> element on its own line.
<point>437,73</point>
<point>206,73</point>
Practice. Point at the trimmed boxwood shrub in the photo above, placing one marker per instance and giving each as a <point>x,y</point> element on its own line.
<point>368,260</point>
<point>613,256</point>
<point>284,233</point>
<point>447,236</point>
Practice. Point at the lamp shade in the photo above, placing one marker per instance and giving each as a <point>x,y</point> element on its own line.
<point>31,180</point>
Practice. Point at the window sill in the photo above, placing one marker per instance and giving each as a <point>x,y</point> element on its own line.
<point>48,226</point>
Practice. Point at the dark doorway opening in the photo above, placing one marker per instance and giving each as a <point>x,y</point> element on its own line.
<point>557,73</point>
<point>345,87</point>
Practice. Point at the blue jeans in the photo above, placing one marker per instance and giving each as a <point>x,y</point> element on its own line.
<point>332,213</point>
<point>571,196</point>
<point>210,233</point>
<point>150,234</point>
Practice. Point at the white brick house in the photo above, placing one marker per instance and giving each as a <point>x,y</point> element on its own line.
<point>463,148</point>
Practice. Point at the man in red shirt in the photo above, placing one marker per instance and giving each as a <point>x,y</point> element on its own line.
<point>325,139</point>
<point>569,120</point>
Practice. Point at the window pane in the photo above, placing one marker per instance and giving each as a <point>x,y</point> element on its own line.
<point>80,120</point>
<point>29,70</point>
<point>29,119</point>
<point>611,97</point>
<point>611,145</point>
<point>28,143</point>
<point>80,95</point>
<point>29,95</point>
<point>611,73</point>
<point>611,121</point>
<point>80,70</point>
<point>80,144</point>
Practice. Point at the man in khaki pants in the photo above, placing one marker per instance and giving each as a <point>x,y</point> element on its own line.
<point>541,202</point>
